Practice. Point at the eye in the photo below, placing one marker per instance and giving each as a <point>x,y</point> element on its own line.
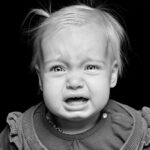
<point>57,68</point>
<point>92,67</point>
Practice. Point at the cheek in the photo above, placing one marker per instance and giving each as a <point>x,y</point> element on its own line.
<point>52,86</point>
<point>97,84</point>
<point>52,92</point>
<point>100,90</point>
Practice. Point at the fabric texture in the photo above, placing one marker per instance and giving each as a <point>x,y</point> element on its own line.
<point>123,129</point>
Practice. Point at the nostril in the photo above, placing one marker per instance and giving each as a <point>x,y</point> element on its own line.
<point>74,87</point>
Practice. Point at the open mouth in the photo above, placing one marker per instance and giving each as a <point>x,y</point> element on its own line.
<point>76,100</point>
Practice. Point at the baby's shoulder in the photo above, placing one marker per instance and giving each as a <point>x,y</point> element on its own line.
<point>15,117</point>
<point>144,112</point>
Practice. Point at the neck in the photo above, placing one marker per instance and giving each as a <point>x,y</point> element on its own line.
<point>76,126</point>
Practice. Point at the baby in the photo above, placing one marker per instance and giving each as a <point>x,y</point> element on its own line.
<point>78,58</point>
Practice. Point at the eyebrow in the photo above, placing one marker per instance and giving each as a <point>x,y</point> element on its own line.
<point>84,61</point>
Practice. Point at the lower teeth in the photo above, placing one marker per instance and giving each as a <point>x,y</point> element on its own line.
<point>76,102</point>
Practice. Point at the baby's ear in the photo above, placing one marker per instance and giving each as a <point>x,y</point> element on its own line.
<point>114,74</point>
<point>39,77</point>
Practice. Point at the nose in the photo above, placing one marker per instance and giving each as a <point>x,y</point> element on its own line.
<point>74,83</point>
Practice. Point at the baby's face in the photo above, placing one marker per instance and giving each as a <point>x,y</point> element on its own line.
<point>77,75</point>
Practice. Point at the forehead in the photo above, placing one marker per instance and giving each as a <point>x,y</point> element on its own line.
<point>74,41</point>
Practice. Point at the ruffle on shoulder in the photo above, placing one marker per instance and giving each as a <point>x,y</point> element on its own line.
<point>146,115</point>
<point>14,122</point>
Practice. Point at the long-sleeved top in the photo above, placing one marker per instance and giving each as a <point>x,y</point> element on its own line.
<point>120,128</point>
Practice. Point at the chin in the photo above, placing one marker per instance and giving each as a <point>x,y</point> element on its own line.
<point>77,117</point>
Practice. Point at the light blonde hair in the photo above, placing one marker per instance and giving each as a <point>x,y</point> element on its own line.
<point>79,15</point>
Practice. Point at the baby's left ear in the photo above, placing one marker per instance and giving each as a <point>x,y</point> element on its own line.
<point>114,74</point>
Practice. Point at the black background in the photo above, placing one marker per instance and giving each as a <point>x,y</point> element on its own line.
<point>19,86</point>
